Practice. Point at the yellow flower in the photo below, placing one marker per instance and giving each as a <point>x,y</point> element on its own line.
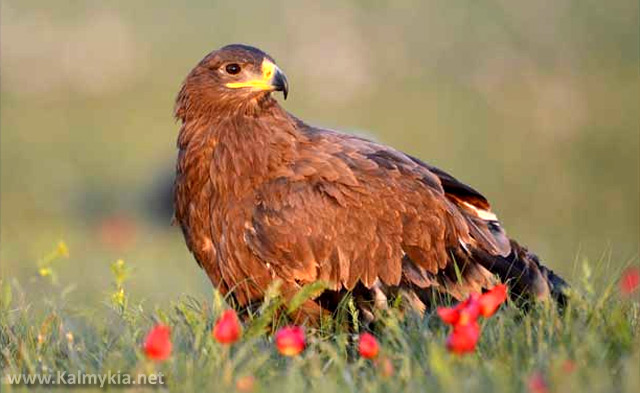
<point>63,250</point>
<point>118,297</point>
<point>45,271</point>
<point>120,272</point>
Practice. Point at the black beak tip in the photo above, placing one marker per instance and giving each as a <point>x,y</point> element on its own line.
<point>281,84</point>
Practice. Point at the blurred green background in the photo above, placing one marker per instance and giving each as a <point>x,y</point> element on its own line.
<point>533,103</point>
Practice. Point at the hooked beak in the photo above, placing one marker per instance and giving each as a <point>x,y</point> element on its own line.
<point>280,83</point>
<point>271,79</point>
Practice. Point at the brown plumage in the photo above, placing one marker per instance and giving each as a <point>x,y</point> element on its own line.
<point>260,196</point>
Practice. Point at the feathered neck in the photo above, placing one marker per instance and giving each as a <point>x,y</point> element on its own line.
<point>236,145</point>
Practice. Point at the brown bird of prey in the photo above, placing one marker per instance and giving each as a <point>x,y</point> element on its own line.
<point>262,196</point>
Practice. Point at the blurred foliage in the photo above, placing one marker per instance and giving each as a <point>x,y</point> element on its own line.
<point>533,103</point>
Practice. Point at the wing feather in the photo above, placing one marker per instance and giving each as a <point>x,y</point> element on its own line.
<point>355,216</point>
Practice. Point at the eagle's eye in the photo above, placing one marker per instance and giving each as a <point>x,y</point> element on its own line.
<point>232,68</point>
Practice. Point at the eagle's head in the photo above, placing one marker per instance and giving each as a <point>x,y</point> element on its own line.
<point>232,77</point>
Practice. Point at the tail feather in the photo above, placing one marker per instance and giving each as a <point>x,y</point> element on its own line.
<point>472,271</point>
<point>524,273</point>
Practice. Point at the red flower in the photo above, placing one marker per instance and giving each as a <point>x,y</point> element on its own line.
<point>537,383</point>
<point>385,367</point>
<point>464,338</point>
<point>475,305</point>
<point>246,383</point>
<point>463,313</point>
<point>569,366</point>
<point>368,346</point>
<point>227,328</point>
<point>490,301</point>
<point>629,280</point>
<point>449,315</point>
<point>290,340</point>
<point>464,318</point>
<point>157,344</point>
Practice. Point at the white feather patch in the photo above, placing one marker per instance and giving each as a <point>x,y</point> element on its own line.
<point>483,214</point>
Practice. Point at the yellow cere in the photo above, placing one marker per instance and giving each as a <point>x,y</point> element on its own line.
<point>264,83</point>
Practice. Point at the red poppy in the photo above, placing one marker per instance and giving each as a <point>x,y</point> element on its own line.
<point>385,367</point>
<point>463,313</point>
<point>227,329</point>
<point>290,340</point>
<point>537,383</point>
<point>368,346</point>
<point>490,301</point>
<point>569,366</point>
<point>157,344</point>
<point>246,383</point>
<point>464,338</point>
<point>449,315</point>
<point>629,280</point>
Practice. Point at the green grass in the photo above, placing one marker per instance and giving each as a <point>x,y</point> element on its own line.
<point>591,346</point>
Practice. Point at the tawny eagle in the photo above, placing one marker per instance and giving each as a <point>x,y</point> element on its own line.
<point>261,196</point>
